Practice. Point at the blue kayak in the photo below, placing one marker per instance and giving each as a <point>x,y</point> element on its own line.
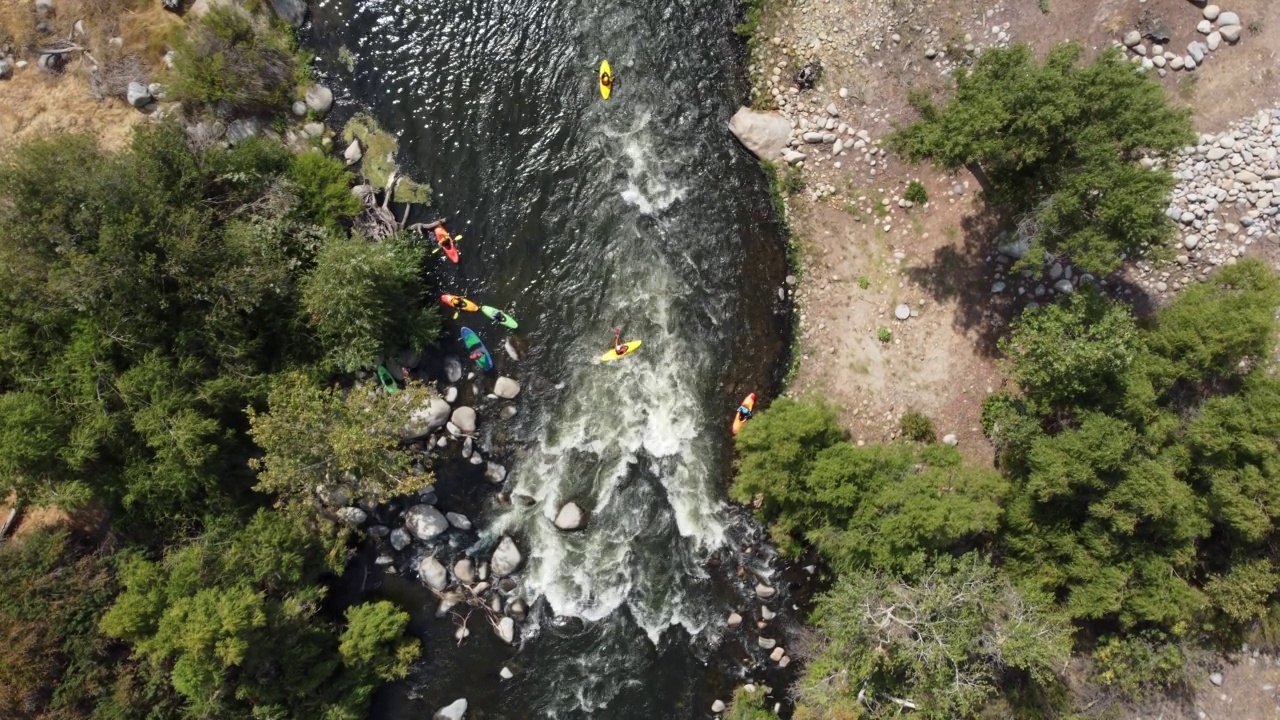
<point>476,350</point>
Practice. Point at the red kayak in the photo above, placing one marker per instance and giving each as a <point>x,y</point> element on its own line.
<point>446,243</point>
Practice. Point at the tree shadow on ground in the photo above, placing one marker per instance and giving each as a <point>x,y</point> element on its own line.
<point>966,272</point>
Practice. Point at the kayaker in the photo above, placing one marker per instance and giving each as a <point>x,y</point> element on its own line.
<point>499,317</point>
<point>618,346</point>
<point>606,80</point>
<point>457,303</point>
<point>744,413</point>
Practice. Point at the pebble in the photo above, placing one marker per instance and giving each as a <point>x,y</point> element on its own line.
<point>1216,679</point>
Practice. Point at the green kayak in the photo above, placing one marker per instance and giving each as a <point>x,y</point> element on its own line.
<point>388,382</point>
<point>499,317</point>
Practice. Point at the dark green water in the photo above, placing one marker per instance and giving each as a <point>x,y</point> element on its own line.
<point>579,215</point>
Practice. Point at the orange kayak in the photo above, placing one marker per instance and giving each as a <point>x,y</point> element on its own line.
<point>749,402</point>
<point>457,302</point>
<point>446,243</point>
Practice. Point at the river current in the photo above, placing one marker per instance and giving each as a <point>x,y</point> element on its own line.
<point>579,215</point>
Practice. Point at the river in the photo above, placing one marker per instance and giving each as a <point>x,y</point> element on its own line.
<point>579,215</point>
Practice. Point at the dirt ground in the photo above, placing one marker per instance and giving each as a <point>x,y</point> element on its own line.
<point>862,257</point>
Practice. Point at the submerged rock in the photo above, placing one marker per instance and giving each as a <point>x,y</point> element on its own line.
<point>400,538</point>
<point>458,520</point>
<point>495,473</point>
<point>453,711</point>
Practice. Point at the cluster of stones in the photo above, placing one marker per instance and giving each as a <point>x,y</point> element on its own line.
<point>1217,27</point>
<point>1227,198</point>
<point>765,593</point>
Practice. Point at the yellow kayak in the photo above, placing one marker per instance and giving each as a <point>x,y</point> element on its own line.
<point>627,350</point>
<point>606,79</point>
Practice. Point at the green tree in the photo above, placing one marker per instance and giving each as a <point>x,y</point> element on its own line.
<point>314,436</point>
<point>228,57</point>
<point>324,189</point>
<point>1060,142</point>
<point>940,645</point>
<point>366,299</point>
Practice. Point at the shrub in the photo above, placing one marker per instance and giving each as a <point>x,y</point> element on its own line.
<point>228,58</point>
<point>918,427</point>
<point>324,189</point>
<point>916,193</point>
<point>884,335</point>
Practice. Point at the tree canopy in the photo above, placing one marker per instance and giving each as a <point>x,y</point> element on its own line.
<point>1060,142</point>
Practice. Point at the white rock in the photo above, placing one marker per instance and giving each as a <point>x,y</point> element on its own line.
<point>1211,12</point>
<point>465,418</point>
<point>734,620</point>
<point>506,388</point>
<point>465,571</point>
<point>1131,38</point>
<point>766,613</point>
<point>495,473</point>
<point>1228,18</point>
<point>353,153</point>
<point>832,110</point>
<point>458,520</point>
<point>319,99</point>
<point>764,592</point>
<point>902,312</point>
<point>425,522</point>
<point>505,673</point>
<point>1214,40</point>
<point>766,643</point>
<point>400,538</point>
<point>765,134</point>
<point>777,654</point>
<point>570,517</point>
<point>453,711</point>
<point>1230,33</point>
<point>1204,27</point>
<point>1216,679</point>
<point>506,558</point>
<point>950,439</point>
<point>1063,286</point>
<point>507,630</point>
<point>432,573</point>
<point>718,706</point>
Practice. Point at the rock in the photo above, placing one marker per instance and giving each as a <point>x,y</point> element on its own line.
<point>428,417</point>
<point>353,153</point>
<point>453,711</point>
<point>467,448</point>
<point>764,592</point>
<point>352,516</point>
<point>1210,12</point>
<point>299,108</point>
<point>313,129</point>
<point>1214,40</point>
<point>785,661</point>
<point>1176,63</point>
<point>997,287</point>
<point>931,53</point>
<point>791,157</point>
<point>465,571</point>
<point>950,439</point>
<point>318,99</point>
<point>1131,38</point>
<point>508,412</point>
<point>51,62</point>
<point>1158,30</point>
<point>458,520</point>
<point>1204,27</point>
<point>333,495</point>
<point>766,613</point>
<point>777,654</point>
<point>832,110</point>
<point>902,312</point>
<point>718,706</point>
<point>1216,679</point>
<point>290,11</point>
<point>1197,51</point>
<point>400,539</point>
<point>1190,242</point>
<point>808,75</point>
<point>1189,63</point>
<point>452,369</point>
<point>734,620</point>
<point>137,95</point>
<point>506,388</point>
<point>425,522</point>
<point>450,394</point>
<point>495,473</point>
<point>1246,177</point>
<point>1015,248</point>
<point>240,130</point>
<point>1230,33</point>
<point>570,517</point>
<point>6,70</point>
<point>765,134</point>
<point>1064,286</point>
<point>505,673</point>
<point>1228,18</point>
<point>432,573</point>
<point>465,418</point>
<point>507,630</point>
<point>813,138</point>
<point>506,558</point>
<point>766,643</point>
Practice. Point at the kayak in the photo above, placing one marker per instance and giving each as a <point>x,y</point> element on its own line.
<point>605,71</point>
<point>388,381</point>
<point>476,350</point>
<point>467,305</point>
<point>749,402</point>
<point>446,243</point>
<point>499,317</point>
<point>613,354</point>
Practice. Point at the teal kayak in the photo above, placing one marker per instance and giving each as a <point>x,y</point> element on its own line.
<point>476,350</point>
<point>499,317</point>
<point>387,380</point>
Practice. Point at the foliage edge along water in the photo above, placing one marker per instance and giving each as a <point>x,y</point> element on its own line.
<point>579,215</point>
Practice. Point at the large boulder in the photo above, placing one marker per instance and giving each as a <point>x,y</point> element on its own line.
<point>432,573</point>
<point>138,95</point>
<point>763,133</point>
<point>506,558</point>
<point>290,11</point>
<point>506,388</point>
<point>453,711</point>
<point>318,99</point>
<point>426,418</point>
<point>465,418</point>
<point>425,522</point>
<point>570,517</point>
